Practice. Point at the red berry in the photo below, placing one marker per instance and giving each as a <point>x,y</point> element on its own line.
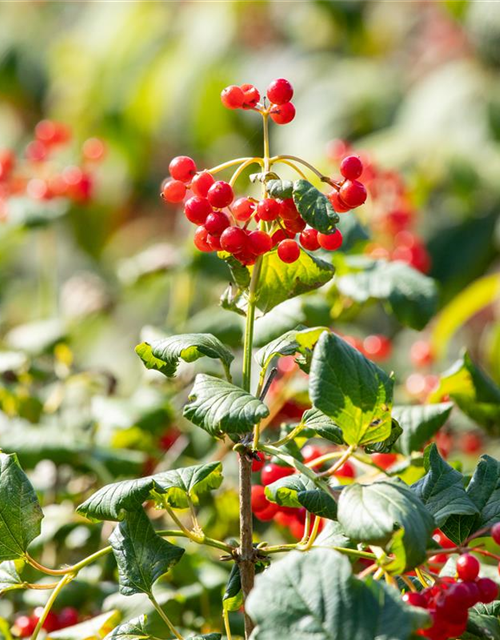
<point>415,599</point>
<point>288,210</point>
<point>37,151</point>
<point>214,242</point>
<point>201,240</point>
<point>330,241</point>
<point>182,168</point>
<point>283,114</point>
<point>268,513</point>
<point>257,465</point>
<point>297,529</point>
<point>268,209</point>
<point>259,500</point>
<point>216,222</point>
<point>384,460</point>
<point>295,226</point>
<point>174,191</point>
<point>93,149</point>
<point>201,183</point>
<point>309,239</point>
<point>68,616</point>
<point>251,96</point>
<point>438,559</point>
<point>51,622</point>
<point>351,167</point>
<point>288,251</point>
<point>337,203</point>
<point>220,194</point>
<point>50,132</point>
<point>353,193</point>
<point>278,236</point>
<point>7,161</point>
<point>310,452</point>
<point>421,353</point>
<point>495,532</point>
<point>471,442</point>
<point>468,567</point>
<point>272,472</point>
<point>347,470</point>
<point>377,347</point>
<point>232,97</point>
<point>246,256</point>
<point>197,210</point>
<point>473,593</point>
<point>243,209</point>
<point>443,540</point>
<point>280,91</point>
<point>233,239</point>
<point>25,625</point>
<point>488,590</point>
<point>260,242</point>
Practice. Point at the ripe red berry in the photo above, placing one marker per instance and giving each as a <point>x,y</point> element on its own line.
<point>214,242</point>
<point>473,593</point>
<point>258,464</point>
<point>37,151</point>
<point>310,452</point>
<point>220,194</point>
<point>251,96</point>
<point>260,242</point>
<point>246,257</point>
<point>468,567</point>
<point>268,513</point>
<point>377,347</point>
<point>278,236</point>
<point>295,226</point>
<point>443,540</point>
<point>25,625</point>
<point>201,240</point>
<point>488,590</point>
<point>51,132</point>
<point>471,442</point>
<point>51,622</point>
<point>197,210</point>
<point>280,91</point>
<point>201,183</point>
<point>272,472</point>
<point>243,209</point>
<point>384,460</point>
<point>259,500</point>
<point>353,193</point>
<point>68,616</point>
<point>351,167</point>
<point>415,599</point>
<point>216,222</point>
<point>309,239</point>
<point>288,210</point>
<point>282,114</point>
<point>421,353</point>
<point>330,241</point>
<point>495,532</point>
<point>268,209</point>
<point>232,97</point>
<point>233,239</point>
<point>93,149</point>
<point>288,251</point>
<point>182,168</point>
<point>337,203</point>
<point>347,470</point>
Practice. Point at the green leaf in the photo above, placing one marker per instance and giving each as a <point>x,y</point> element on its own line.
<point>474,392</point>
<point>142,556</point>
<point>95,628</point>
<point>373,513</point>
<point>206,636</point>
<point>20,512</point>
<point>299,491</point>
<point>419,423</point>
<point>113,501</point>
<point>220,407</point>
<point>442,489</point>
<point>483,622</point>
<point>352,390</point>
<point>333,535</point>
<point>164,355</point>
<point>134,629</point>
<point>314,207</point>
<point>5,632</point>
<point>9,578</point>
<point>484,492</point>
<point>322,425</point>
<point>386,445</point>
<point>280,281</point>
<point>300,340</point>
<point>280,188</point>
<point>411,296</point>
<point>314,596</point>
<point>233,596</point>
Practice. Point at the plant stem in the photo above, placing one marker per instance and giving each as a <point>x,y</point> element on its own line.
<point>340,462</point>
<point>283,548</point>
<point>297,159</point>
<point>242,168</point>
<point>195,537</point>
<point>230,163</point>
<point>164,617</point>
<point>246,551</point>
<point>294,167</point>
<point>314,534</point>
<point>46,610</point>
<point>227,627</point>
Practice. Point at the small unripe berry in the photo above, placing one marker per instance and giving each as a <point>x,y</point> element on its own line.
<point>182,168</point>
<point>233,239</point>
<point>353,193</point>
<point>174,191</point>
<point>197,210</point>
<point>282,114</point>
<point>280,91</point>
<point>216,222</point>
<point>251,96</point>
<point>351,167</point>
<point>495,532</point>
<point>232,97</point>
<point>288,251</point>
<point>260,242</point>
<point>268,209</point>
<point>468,567</point>
<point>330,241</point>
<point>309,239</point>
<point>337,203</point>
<point>243,209</point>
<point>201,240</point>
<point>201,183</point>
<point>220,194</point>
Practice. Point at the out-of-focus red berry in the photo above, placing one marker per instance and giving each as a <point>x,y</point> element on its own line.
<point>272,472</point>
<point>258,464</point>
<point>51,622</point>
<point>258,498</point>
<point>37,151</point>
<point>174,191</point>
<point>94,149</point>
<point>488,590</point>
<point>68,616</point>
<point>347,470</point>
<point>268,513</point>
<point>377,347</point>
<point>421,353</point>
<point>24,626</point>
<point>495,532</point>
<point>471,442</point>
<point>384,460</point>
<point>311,452</point>
<point>414,599</point>
<point>468,567</point>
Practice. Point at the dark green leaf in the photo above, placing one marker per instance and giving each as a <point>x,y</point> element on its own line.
<point>206,636</point>
<point>299,491</point>
<point>442,489</point>
<point>386,445</point>
<point>233,596</point>
<point>142,556</point>
<point>179,485</point>
<point>410,295</point>
<point>352,390</point>
<point>280,188</point>
<point>419,423</point>
<point>314,207</point>
<point>483,622</point>
<point>164,355</point>
<point>20,512</point>
<point>132,630</point>
<point>333,535</point>
<point>300,340</point>
<point>220,407</point>
<point>322,425</point>
<point>373,513</point>
<point>9,578</point>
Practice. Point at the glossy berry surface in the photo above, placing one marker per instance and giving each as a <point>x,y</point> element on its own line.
<point>280,91</point>
<point>197,210</point>
<point>495,532</point>
<point>233,239</point>
<point>182,168</point>
<point>216,222</point>
<point>282,114</point>
<point>488,590</point>
<point>337,203</point>
<point>174,191</point>
<point>467,567</point>
<point>258,462</point>
<point>351,167</point>
<point>232,97</point>
<point>414,599</point>
<point>201,183</point>
<point>353,193</point>
<point>268,209</point>
<point>201,240</point>
<point>330,241</point>
<point>288,251</point>
<point>220,194</point>
<point>260,242</point>
<point>251,96</point>
<point>259,500</point>
<point>272,472</point>
<point>309,239</point>
<point>243,209</point>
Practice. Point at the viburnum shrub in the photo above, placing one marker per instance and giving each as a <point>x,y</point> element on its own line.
<point>382,538</point>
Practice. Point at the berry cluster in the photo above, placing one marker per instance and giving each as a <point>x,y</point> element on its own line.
<point>449,600</point>
<point>37,174</point>
<point>25,624</point>
<point>279,93</point>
